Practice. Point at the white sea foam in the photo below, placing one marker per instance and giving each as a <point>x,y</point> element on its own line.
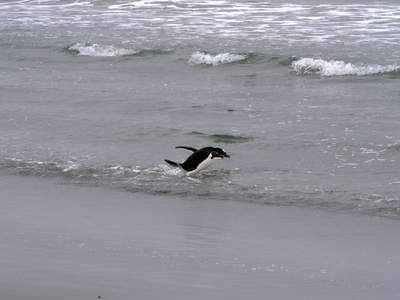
<point>339,68</point>
<point>201,58</point>
<point>261,23</point>
<point>72,166</point>
<point>100,50</point>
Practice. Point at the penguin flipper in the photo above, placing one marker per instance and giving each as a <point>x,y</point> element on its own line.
<point>186,148</point>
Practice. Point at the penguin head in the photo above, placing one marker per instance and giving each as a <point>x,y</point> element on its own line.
<point>219,153</point>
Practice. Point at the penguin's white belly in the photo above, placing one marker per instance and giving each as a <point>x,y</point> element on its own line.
<point>203,165</point>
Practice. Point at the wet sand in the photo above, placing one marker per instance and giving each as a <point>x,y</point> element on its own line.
<point>63,241</point>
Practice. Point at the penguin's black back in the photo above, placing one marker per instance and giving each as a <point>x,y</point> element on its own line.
<point>195,159</point>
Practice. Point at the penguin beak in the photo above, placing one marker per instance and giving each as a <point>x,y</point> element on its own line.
<point>226,155</point>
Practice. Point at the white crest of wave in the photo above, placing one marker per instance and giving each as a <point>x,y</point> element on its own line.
<point>338,68</point>
<point>99,50</point>
<point>200,58</point>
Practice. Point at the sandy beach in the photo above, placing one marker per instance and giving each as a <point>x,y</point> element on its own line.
<point>62,241</point>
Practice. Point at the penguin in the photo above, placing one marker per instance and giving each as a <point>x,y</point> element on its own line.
<point>199,159</point>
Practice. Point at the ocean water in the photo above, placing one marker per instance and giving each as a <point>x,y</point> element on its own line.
<point>304,96</point>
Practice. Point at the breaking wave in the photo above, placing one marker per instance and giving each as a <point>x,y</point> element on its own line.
<point>99,50</point>
<point>104,50</point>
<point>202,58</point>
<point>305,66</point>
<point>218,184</point>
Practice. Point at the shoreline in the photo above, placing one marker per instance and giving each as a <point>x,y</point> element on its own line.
<point>63,241</point>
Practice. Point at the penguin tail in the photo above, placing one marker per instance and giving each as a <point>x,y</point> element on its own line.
<point>172,163</point>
